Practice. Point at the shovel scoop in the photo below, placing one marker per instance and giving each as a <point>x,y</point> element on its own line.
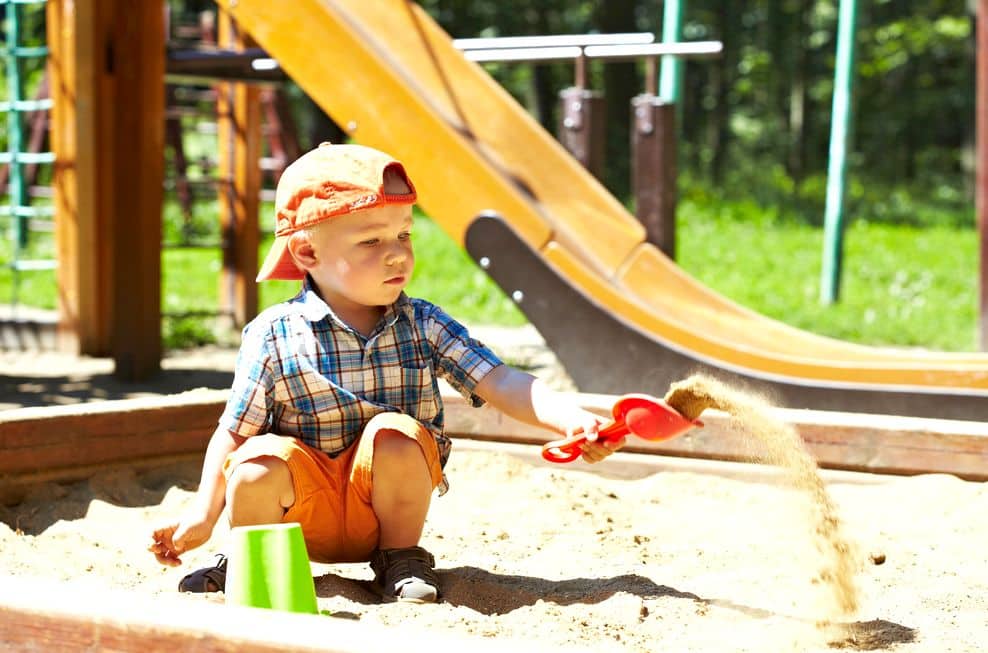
<point>641,415</point>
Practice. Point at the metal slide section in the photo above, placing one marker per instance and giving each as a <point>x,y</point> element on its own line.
<point>391,77</point>
<point>633,351</point>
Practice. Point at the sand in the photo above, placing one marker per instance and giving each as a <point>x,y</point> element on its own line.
<point>689,557</point>
<point>677,560</point>
<point>777,443</point>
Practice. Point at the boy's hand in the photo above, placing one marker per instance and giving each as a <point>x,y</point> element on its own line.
<point>525,398</point>
<point>594,451</point>
<point>171,541</point>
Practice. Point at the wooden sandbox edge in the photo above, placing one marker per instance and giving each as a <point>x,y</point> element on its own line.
<point>72,617</point>
<point>66,442</point>
<point>877,444</point>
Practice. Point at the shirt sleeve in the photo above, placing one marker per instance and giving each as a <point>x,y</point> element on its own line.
<point>249,408</point>
<point>459,359</point>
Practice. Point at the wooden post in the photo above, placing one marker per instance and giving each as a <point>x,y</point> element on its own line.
<point>81,92</point>
<point>583,126</point>
<point>239,132</point>
<point>137,58</point>
<point>107,67</point>
<point>653,169</point>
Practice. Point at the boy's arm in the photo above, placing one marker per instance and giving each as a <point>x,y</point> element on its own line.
<point>196,524</point>
<point>211,495</point>
<point>528,399</point>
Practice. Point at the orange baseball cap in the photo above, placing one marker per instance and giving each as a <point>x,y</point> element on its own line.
<point>328,181</point>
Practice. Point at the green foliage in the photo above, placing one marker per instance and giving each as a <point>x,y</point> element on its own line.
<point>903,285</point>
<point>30,287</point>
<point>754,130</point>
<point>186,332</point>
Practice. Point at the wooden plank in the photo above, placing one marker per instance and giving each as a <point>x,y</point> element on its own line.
<point>137,53</point>
<point>848,441</point>
<point>60,441</point>
<point>239,151</point>
<point>79,91</point>
<point>624,465</point>
<point>40,615</point>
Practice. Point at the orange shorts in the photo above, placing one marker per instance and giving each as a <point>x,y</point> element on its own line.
<point>333,495</point>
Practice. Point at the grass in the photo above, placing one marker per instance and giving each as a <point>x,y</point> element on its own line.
<point>904,285</point>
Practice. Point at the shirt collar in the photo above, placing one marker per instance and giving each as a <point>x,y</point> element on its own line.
<point>316,309</point>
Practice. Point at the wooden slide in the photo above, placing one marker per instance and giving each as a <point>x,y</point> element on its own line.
<point>387,73</point>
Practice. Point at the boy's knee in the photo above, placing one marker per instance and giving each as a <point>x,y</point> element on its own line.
<point>259,478</point>
<point>402,447</point>
<point>396,447</point>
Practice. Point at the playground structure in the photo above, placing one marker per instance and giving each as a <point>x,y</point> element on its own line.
<point>408,89</point>
<point>573,249</point>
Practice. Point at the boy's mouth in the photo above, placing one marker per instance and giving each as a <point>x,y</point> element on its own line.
<point>396,281</point>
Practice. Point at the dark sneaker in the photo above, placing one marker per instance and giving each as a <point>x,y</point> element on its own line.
<point>405,575</point>
<point>207,579</point>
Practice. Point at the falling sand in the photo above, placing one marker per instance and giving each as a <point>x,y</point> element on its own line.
<point>752,417</point>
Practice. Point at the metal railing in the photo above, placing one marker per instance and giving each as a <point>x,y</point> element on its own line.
<point>22,217</point>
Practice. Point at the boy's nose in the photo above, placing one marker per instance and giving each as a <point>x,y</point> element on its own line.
<point>395,255</point>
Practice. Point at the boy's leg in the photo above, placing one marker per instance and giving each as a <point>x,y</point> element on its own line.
<point>401,490</point>
<point>259,491</point>
<point>273,479</point>
<point>396,467</point>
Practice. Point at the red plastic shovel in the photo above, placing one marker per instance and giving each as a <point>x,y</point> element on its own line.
<point>647,417</point>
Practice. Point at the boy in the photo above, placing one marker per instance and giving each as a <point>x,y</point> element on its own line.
<point>335,419</point>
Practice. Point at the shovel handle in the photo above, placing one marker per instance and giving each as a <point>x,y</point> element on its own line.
<point>569,449</point>
<point>564,451</point>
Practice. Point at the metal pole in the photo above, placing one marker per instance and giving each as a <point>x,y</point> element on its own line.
<point>15,188</point>
<point>840,138</point>
<point>981,174</point>
<point>672,67</point>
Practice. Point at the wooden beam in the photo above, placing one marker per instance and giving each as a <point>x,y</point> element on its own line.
<point>653,169</point>
<point>239,152</point>
<point>137,53</point>
<point>107,70</point>
<point>41,615</point>
<point>849,441</point>
<point>81,94</point>
<point>69,442</point>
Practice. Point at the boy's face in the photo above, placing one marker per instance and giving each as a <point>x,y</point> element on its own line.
<point>362,259</point>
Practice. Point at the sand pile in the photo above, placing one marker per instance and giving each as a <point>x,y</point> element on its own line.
<point>751,417</point>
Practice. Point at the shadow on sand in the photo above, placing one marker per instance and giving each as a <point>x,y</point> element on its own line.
<point>490,593</point>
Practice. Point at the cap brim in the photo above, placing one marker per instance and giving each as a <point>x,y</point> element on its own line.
<point>278,264</point>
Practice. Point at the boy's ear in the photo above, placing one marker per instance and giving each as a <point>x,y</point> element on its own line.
<point>302,251</point>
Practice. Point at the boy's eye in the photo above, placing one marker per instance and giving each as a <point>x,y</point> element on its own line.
<point>405,235</point>
<point>370,241</point>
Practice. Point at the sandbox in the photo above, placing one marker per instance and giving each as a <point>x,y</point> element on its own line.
<point>643,552</point>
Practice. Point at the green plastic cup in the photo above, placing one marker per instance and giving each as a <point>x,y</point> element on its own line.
<point>268,567</point>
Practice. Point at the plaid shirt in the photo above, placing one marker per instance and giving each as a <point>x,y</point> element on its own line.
<point>302,372</point>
